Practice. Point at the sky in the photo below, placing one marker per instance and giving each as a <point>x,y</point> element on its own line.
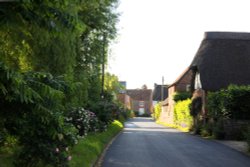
<point>159,38</point>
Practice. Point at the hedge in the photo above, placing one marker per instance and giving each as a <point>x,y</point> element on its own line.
<point>229,112</point>
<point>230,103</point>
<point>182,117</point>
<point>157,111</point>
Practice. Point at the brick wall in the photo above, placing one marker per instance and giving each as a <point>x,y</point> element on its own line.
<point>181,85</point>
<point>167,114</point>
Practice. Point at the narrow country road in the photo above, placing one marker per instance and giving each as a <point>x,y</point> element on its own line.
<point>146,144</point>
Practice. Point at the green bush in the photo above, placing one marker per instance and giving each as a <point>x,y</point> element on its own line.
<point>219,130</point>
<point>182,117</point>
<point>145,115</point>
<point>132,114</point>
<point>226,107</point>
<point>230,103</point>
<point>206,130</point>
<point>157,111</point>
<point>106,112</point>
<point>237,102</point>
<point>180,96</point>
<point>216,105</point>
<point>32,112</point>
<point>125,114</point>
<point>136,113</point>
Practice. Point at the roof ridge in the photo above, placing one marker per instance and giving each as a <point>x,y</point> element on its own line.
<point>227,35</point>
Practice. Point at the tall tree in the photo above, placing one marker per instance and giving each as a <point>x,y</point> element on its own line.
<point>60,37</point>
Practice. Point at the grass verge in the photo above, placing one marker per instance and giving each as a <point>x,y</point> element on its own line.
<point>6,155</point>
<point>6,160</point>
<point>87,151</point>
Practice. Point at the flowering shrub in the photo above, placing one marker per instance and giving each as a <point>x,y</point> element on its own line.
<point>94,123</point>
<point>83,120</point>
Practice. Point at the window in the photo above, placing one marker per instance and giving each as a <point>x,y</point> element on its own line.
<point>141,104</point>
<point>197,84</point>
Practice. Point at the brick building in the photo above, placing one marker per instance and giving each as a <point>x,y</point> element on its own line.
<point>181,84</point>
<point>141,100</point>
<point>125,100</point>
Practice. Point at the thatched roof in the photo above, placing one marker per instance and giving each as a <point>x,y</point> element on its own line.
<point>157,93</point>
<point>223,59</point>
<point>140,94</point>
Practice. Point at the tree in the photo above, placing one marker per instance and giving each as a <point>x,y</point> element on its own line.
<point>55,49</point>
<point>112,83</point>
<point>63,38</point>
<point>144,87</point>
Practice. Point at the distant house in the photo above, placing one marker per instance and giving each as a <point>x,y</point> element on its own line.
<point>181,84</point>
<point>223,58</point>
<point>160,92</point>
<point>141,100</point>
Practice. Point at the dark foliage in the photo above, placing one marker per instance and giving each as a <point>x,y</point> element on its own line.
<point>66,42</point>
<point>232,103</point>
<point>180,96</point>
<point>196,106</point>
<point>31,112</point>
<point>229,110</point>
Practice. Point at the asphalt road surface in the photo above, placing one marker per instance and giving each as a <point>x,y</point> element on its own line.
<point>146,144</point>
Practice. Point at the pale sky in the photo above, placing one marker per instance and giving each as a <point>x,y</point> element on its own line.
<point>160,37</point>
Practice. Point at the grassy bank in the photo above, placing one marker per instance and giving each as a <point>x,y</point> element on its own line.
<point>86,152</point>
<point>6,159</point>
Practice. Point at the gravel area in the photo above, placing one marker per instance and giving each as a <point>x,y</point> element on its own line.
<point>237,145</point>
